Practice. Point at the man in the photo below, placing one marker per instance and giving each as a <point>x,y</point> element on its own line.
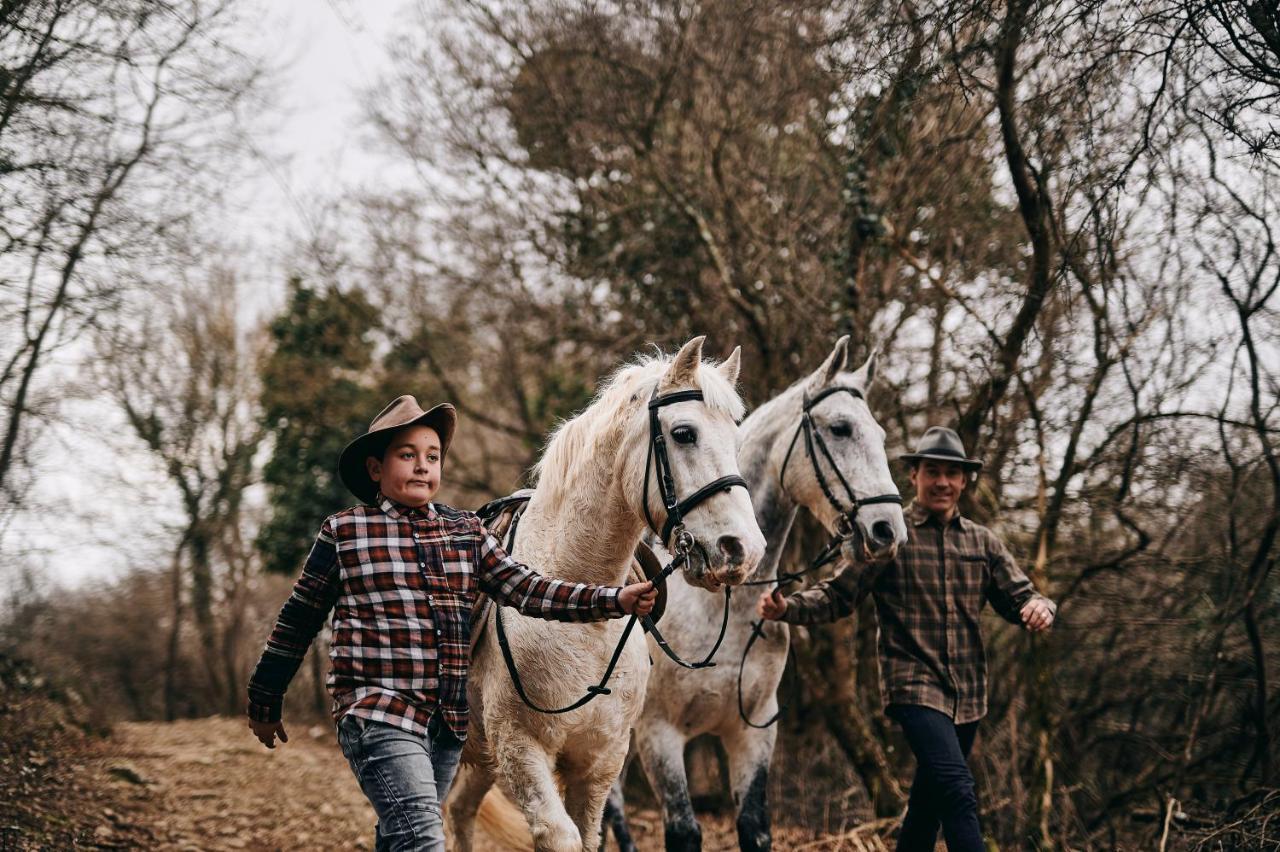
<point>932,663</point>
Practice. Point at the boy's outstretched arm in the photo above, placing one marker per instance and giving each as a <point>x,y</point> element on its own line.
<point>300,619</point>
<point>515,584</point>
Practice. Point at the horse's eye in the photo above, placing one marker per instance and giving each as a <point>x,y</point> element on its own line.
<point>841,429</point>
<point>684,435</point>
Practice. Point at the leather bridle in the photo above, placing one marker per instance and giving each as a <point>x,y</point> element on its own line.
<point>846,518</point>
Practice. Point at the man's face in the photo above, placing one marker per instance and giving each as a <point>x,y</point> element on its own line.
<point>938,485</point>
<point>409,472</point>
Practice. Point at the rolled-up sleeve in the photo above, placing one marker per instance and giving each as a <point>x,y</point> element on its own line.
<point>300,619</point>
<point>515,584</point>
<point>1009,589</point>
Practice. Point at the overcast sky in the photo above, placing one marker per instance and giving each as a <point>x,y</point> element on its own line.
<point>104,506</point>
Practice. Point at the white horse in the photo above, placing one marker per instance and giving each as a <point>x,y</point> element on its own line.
<point>782,469</point>
<point>583,523</point>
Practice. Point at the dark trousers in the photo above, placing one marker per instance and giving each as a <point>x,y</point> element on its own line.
<point>943,790</point>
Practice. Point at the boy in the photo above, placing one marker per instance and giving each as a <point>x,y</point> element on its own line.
<point>400,574</point>
<point>933,674</point>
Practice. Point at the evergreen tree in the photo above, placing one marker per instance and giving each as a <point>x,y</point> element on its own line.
<point>318,392</point>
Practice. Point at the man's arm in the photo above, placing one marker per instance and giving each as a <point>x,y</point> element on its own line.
<point>831,599</point>
<point>515,584</point>
<point>1011,592</point>
<point>300,619</point>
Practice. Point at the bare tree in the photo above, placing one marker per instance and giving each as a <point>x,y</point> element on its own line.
<point>108,112</point>
<point>185,379</point>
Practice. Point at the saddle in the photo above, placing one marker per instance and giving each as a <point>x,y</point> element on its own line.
<point>501,518</point>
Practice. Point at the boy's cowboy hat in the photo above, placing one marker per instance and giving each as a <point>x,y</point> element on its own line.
<point>942,444</point>
<point>405,411</point>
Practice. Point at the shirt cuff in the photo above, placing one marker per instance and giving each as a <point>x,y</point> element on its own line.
<point>263,712</point>
<point>608,602</point>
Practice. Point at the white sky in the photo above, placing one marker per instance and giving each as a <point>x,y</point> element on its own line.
<point>98,494</point>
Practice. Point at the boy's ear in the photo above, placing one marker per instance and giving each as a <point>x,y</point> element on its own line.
<point>374,466</point>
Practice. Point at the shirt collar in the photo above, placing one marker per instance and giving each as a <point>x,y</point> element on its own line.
<point>919,516</point>
<point>408,513</point>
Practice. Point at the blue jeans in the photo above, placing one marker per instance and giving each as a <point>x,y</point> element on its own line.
<point>943,790</point>
<point>405,777</point>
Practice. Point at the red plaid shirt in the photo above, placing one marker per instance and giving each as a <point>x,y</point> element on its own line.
<point>401,583</point>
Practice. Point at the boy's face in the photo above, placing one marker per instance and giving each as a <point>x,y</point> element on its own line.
<point>938,485</point>
<point>409,471</point>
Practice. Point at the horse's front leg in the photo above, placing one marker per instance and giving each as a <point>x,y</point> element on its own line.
<point>527,777</point>
<point>661,749</point>
<point>464,800</point>
<point>615,810</point>
<point>750,750</point>
<point>587,788</point>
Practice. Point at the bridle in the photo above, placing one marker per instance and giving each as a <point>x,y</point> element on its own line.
<point>674,537</point>
<point>846,519</point>
<point>657,458</point>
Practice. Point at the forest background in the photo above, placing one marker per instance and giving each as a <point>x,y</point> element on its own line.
<point>1056,221</point>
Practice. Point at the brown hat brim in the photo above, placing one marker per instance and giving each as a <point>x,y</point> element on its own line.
<point>967,464</point>
<point>353,471</point>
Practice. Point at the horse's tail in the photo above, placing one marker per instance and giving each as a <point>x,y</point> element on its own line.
<point>503,822</point>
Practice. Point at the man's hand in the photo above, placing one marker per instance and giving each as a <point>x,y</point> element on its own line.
<point>266,732</point>
<point>772,605</point>
<point>1037,615</point>
<point>638,598</point>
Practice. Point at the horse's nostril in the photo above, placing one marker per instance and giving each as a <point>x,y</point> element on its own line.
<point>732,549</point>
<point>882,532</point>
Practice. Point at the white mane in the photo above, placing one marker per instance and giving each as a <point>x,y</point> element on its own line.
<point>599,428</point>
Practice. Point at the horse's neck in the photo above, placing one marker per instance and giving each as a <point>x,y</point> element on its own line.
<point>774,508</point>
<point>587,537</point>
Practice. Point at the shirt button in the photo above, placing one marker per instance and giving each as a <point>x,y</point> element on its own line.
<point>422,565</point>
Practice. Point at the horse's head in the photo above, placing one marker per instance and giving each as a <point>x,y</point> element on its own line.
<point>846,447</point>
<point>699,437</point>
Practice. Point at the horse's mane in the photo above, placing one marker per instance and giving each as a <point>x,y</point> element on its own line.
<point>604,420</point>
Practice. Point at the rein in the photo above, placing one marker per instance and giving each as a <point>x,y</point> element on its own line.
<point>846,521</point>
<point>672,528</point>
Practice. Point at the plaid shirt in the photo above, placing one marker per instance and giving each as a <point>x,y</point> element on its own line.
<point>401,583</point>
<point>928,600</point>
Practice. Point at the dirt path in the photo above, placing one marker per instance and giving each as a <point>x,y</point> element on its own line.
<point>205,784</point>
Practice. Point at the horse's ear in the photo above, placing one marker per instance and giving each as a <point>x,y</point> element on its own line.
<point>832,366</point>
<point>866,374</point>
<point>732,366</point>
<point>684,367</point>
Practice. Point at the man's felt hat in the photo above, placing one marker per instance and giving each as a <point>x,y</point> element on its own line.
<point>405,411</point>
<point>942,444</point>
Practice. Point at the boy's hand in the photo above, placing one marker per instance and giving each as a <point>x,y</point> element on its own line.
<point>772,605</point>
<point>266,732</point>
<point>1037,615</point>
<point>638,598</point>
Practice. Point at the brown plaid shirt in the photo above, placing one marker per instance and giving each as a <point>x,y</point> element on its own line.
<point>401,583</point>
<point>928,600</point>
